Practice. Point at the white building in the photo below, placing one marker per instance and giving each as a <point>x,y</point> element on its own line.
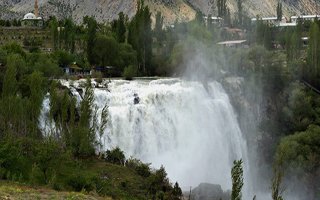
<point>295,19</point>
<point>33,20</point>
<point>269,20</point>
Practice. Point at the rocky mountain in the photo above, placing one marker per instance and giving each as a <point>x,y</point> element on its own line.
<point>181,10</point>
<point>264,8</point>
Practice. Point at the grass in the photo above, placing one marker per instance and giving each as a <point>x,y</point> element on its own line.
<point>117,181</point>
<point>109,181</point>
<point>16,191</point>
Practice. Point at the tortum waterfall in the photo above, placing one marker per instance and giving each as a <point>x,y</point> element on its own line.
<point>189,128</point>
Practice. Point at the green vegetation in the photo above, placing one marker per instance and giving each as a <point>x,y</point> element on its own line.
<point>281,74</point>
<point>279,11</point>
<point>237,180</point>
<point>64,157</point>
<point>9,190</point>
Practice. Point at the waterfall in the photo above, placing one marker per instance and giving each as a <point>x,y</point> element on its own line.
<point>189,128</point>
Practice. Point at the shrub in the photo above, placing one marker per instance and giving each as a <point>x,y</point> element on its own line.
<point>143,169</point>
<point>115,156</point>
<point>79,182</point>
<point>129,72</point>
<point>98,76</point>
<point>36,176</point>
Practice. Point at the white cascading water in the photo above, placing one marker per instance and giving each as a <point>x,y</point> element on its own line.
<point>190,129</point>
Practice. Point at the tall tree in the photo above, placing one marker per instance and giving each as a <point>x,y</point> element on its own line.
<point>105,51</point>
<point>92,25</point>
<point>10,83</point>
<point>83,135</point>
<point>53,24</point>
<point>119,28</point>
<point>222,8</point>
<point>158,29</point>
<point>279,11</point>
<point>13,117</point>
<point>237,180</point>
<point>199,17</point>
<point>68,34</point>
<point>35,82</point>
<point>140,37</point>
<point>313,57</point>
<point>240,12</point>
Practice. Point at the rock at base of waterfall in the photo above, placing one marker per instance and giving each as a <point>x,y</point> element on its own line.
<point>136,99</point>
<point>207,191</point>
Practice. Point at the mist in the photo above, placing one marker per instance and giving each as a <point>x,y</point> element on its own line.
<point>206,62</point>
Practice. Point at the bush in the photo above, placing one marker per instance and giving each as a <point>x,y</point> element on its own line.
<point>115,156</point>
<point>143,169</point>
<point>79,182</point>
<point>98,76</point>
<point>36,176</point>
<point>129,72</point>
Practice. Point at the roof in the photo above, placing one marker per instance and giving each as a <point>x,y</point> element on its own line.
<point>305,16</point>
<point>267,18</point>
<point>232,42</point>
<point>29,16</point>
<point>74,66</point>
<point>205,17</point>
<point>287,24</point>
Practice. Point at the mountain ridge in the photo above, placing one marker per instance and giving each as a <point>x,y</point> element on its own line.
<point>181,10</point>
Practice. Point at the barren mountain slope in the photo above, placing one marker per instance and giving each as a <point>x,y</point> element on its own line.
<point>264,7</point>
<point>182,10</point>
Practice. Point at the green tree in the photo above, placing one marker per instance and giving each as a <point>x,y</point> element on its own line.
<point>299,111</point>
<point>10,83</point>
<point>12,107</point>
<point>177,192</point>
<point>47,66</point>
<point>121,28</point>
<point>158,29</point>
<point>299,155</point>
<point>222,8</point>
<point>53,25</point>
<point>14,48</point>
<point>279,11</point>
<point>264,34</point>
<point>91,35</point>
<point>83,135</point>
<point>313,56</point>
<point>127,56</point>
<point>140,37</point>
<point>240,12</point>
<point>129,72</point>
<point>276,183</point>
<point>35,81</point>
<point>199,18</point>
<point>68,35</point>
<point>63,58</point>
<point>48,157</point>
<point>237,180</point>
<point>115,156</point>
<point>106,50</point>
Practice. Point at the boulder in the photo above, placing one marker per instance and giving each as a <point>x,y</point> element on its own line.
<point>207,191</point>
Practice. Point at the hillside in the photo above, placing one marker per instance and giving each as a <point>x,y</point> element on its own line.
<point>265,7</point>
<point>10,190</point>
<point>182,10</point>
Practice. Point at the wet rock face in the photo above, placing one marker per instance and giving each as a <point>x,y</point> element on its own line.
<point>207,191</point>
